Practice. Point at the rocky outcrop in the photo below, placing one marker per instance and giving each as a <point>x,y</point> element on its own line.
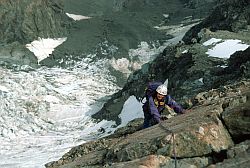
<point>23,21</point>
<point>26,20</point>
<point>237,156</point>
<point>198,138</point>
<point>231,15</point>
<point>15,54</point>
<point>237,121</point>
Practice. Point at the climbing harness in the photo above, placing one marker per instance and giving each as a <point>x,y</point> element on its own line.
<point>172,136</point>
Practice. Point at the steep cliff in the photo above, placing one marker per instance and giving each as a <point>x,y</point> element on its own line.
<point>25,20</point>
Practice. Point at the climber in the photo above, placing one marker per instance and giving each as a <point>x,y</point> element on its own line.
<point>157,100</point>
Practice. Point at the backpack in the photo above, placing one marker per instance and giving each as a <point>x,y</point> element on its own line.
<point>150,90</point>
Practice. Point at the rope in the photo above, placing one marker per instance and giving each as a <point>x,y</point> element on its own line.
<point>172,136</point>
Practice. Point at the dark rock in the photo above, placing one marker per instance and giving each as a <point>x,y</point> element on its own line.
<point>16,54</point>
<point>240,62</point>
<point>230,15</point>
<point>238,156</point>
<point>25,20</point>
<point>237,120</point>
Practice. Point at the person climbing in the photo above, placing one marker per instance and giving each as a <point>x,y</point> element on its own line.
<point>157,100</point>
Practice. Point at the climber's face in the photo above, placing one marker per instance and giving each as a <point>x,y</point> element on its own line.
<point>160,96</point>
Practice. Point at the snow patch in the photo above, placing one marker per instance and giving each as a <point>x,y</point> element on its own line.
<point>132,109</point>
<point>211,41</point>
<point>42,48</point>
<point>222,66</point>
<point>77,17</point>
<point>201,80</point>
<point>226,48</point>
<point>184,52</point>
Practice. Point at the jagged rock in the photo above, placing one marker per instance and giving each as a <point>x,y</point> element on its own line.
<point>131,127</point>
<point>230,15</point>
<point>239,150</point>
<point>145,162</point>
<point>238,157</point>
<point>155,161</point>
<point>240,62</point>
<point>25,20</point>
<point>237,120</point>
<point>16,54</point>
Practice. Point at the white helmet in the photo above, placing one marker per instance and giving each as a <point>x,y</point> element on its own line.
<point>162,89</point>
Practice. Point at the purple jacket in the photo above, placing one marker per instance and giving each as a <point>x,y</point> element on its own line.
<point>155,111</point>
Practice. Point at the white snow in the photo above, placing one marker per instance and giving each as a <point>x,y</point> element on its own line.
<point>201,80</point>
<point>184,52</point>
<point>48,111</point>
<point>42,48</point>
<point>121,64</point>
<point>211,41</point>
<point>222,66</point>
<point>51,99</point>
<point>166,15</point>
<point>132,109</point>
<point>227,48</point>
<point>4,89</point>
<point>77,17</point>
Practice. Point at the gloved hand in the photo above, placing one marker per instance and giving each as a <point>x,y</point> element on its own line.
<point>164,117</point>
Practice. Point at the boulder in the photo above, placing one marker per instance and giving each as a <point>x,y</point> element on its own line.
<point>237,121</point>
<point>238,156</point>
